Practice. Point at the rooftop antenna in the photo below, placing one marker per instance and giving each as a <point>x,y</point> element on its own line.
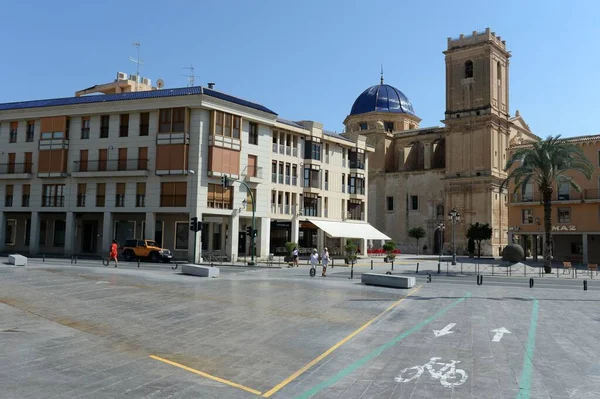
<point>382,73</point>
<point>191,76</point>
<point>138,62</point>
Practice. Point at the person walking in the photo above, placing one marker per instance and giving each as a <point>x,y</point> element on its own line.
<point>113,253</point>
<point>314,258</point>
<point>325,261</point>
<point>295,257</point>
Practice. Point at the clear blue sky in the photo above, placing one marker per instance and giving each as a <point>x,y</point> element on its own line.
<point>308,59</point>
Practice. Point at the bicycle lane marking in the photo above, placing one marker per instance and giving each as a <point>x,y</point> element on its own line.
<point>359,363</point>
<point>525,381</point>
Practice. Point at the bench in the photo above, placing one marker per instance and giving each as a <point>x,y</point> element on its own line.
<point>200,271</point>
<point>17,260</point>
<point>388,280</point>
<point>567,266</point>
<point>593,267</point>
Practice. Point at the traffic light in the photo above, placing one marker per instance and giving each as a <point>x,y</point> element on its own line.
<point>249,231</point>
<point>194,224</point>
<point>225,181</point>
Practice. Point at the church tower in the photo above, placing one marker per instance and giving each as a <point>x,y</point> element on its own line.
<point>477,123</point>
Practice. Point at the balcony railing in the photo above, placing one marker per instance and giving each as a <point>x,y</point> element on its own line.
<point>275,148</point>
<point>11,168</point>
<point>295,152</point>
<point>273,208</point>
<point>325,213</point>
<point>287,180</point>
<point>356,215</point>
<point>294,181</point>
<point>53,201</point>
<point>288,150</point>
<point>326,185</point>
<point>113,165</point>
<point>312,184</point>
<point>119,200</point>
<point>357,165</point>
<point>25,200</point>
<point>12,137</point>
<point>280,179</point>
<point>140,200</point>
<point>356,190</point>
<point>8,201</point>
<point>591,193</point>
<point>344,162</point>
<point>29,137</point>
<point>81,200</point>
<point>281,149</point>
<point>273,177</point>
<point>173,200</point>
<point>327,158</point>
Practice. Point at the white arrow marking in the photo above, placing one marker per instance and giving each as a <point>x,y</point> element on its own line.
<point>444,331</point>
<point>499,333</point>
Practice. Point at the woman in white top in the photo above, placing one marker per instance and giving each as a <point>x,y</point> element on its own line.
<point>325,260</point>
<point>314,258</point>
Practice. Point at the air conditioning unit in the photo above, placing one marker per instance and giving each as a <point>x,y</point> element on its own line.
<point>133,77</point>
<point>121,76</point>
<point>146,81</point>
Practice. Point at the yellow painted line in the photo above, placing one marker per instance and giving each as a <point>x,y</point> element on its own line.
<point>210,377</point>
<point>334,347</point>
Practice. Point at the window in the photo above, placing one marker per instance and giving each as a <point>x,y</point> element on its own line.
<point>363,126</point>
<point>527,192</point>
<point>414,202</point>
<point>102,157</point>
<point>356,184</point>
<point>142,158</point>
<point>440,211</point>
<point>355,210</point>
<point>564,191</point>
<point>468,69</point>
<point>576,248</point>
<point>312,150</point>
<point>219,198</point>
<point>564,215</point>
<point>343,182</point>
<point>294,175</point>
<point>274,172</point>
<point>182,235</point>
<point>81,190</point>
<point>8,196</point>
<point>104,123</point>
<point>124,125</point>
<point>59,233</point>
<point>11,162</point>
<point>30,131</point>
<point>173,194</point>
<point>83,161</point>
<point>357,159</point>
<point>527,216</point>
<point>388,126</point>
<point>390,203</point>
<point>85,128</point>
<point>326,180</point>
<point>144,123</point>
<point>252,162</point>
<point>326,153</point>
<point>227,125</point>
<point>14,127</point>
<point>120,195</point>
<point>171,120</point>
<point>311,178</point>
<point>253,133</point>
<point>122,163</point>
<point>25,195</point>
<point>53,195</point>
<point>311,204</point>
<point>43,233</point>
<point>10,231</point>
<point>140,195</point>
<point>100,194</point>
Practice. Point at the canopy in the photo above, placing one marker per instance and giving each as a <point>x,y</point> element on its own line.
<point>350,230</point>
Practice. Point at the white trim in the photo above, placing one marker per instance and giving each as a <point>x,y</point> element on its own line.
<point>187,224</point>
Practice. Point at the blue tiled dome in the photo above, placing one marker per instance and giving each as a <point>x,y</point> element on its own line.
<point>382,98</point>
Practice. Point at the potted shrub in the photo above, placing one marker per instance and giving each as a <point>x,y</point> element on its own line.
<point>390,250</point>
<point>350,250</point>
<point>289,246</point>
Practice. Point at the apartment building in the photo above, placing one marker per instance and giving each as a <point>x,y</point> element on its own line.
<point>575,215</point>
<point>77,172</point>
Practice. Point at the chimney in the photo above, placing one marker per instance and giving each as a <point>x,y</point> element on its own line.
<point>211,85</point>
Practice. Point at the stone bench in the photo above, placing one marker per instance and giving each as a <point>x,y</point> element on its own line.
<point>388,280</point>
<point>17,260</point>
<point>200,271</point>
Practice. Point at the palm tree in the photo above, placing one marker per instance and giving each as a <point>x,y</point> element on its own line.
<point>545,163</point>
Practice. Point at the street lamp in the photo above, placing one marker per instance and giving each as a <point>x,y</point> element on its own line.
<point>441,228</point>
<point>454,217</point>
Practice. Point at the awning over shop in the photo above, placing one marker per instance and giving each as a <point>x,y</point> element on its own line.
<point>350,230</point>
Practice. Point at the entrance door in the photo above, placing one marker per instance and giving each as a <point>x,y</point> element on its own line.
<point>89,238</point>
<point>438,241</point>
<point>241,243</point>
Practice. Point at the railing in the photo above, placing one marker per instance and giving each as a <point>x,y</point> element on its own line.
<point>119,200</point>
<point>281,149</point>
<point>273,177</point>
<point>85,133</point>
<point>294,152</point>
<point>294,208</point>
<point>280,180</point>
<point>312,184</point>
<point>356,190</point>
<point>356,215</point>
<point>81,200</point>
<point>344,162</point>
<point>173,200</point>
<point>325,213</point>
<point>327,158</point>
<point>280,209</point>
<point>12,137</point>
<point>275,148</point>
<point>311,211</point>
<point>287,180</point>
<point>25,200</point>
<point>11,168</point>
<point>112,165</point>
<point>53,201</point>
<point>357,165</point>
<point>8,201</point>
<point>286,209</point>
<point>273,208</point>
<point>140,200</point>
<point>288,150</point>
<point>29,137</point>
<point>294,181</point>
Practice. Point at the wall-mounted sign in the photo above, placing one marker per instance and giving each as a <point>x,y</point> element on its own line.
<point>564,228</point>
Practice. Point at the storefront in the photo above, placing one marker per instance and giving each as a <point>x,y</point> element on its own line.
<point>281,233</point>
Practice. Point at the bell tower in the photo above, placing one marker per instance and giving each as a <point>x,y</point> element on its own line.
<point>477,125</point>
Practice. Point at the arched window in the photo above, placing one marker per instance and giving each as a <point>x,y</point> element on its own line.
<point>499,71</point>
<point>469,69</point>
<point>440,211</point>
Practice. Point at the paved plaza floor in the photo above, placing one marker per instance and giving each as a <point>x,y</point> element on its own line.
<point>88,331</point>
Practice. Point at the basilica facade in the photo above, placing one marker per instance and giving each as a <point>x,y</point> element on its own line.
<point>417,175</point>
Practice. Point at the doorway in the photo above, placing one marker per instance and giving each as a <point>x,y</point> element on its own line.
<point>241,243</point>
<point>438,241</point>
<point>89,239</point>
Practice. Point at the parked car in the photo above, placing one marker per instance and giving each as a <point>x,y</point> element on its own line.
<point>145,249</point>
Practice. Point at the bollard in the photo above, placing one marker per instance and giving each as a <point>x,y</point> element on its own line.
<point>71,259</point>
<point>460,267</point>
<point>525,270</point>
<point>417,267</point>
<point>585,285</point>
<point>439,267</point>
<point>575,272</point>
<point>557,276</point>
<point>531,282</point>
<point>352,271</point>
<point>388,272</point>
<point>211,264</point>
<point>492,269</point>
<point>75,259</point>
<point>479,279</point>
<point>138,262</point>
<point>43,257</point>
<point>429,277</point>
<point>332,263</point>
<point>392,264</point>
<point>371,264</point>
<point>447,270</point>
<point>507,267</point>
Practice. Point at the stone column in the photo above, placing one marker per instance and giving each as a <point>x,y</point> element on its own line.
<point>584,238</point>
<point>2,230</point>
<point>232,237</point>
<point>149,226</point>
<point>320,240</point>
<point>34,234</point>
<point>211,231</point>
<point>107,232</point>
<point>363,247</point>
<point>427,155</point>
<point>295,230</point>
<point>264,236</point>
<point>70,231</point>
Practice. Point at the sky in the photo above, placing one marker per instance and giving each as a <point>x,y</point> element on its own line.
<point>308,60</point>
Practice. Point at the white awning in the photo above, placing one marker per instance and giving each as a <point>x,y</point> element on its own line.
<point>350,230</point>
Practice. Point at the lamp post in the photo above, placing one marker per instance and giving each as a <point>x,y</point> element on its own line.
<point>441,228</point>
<point>454,217</point>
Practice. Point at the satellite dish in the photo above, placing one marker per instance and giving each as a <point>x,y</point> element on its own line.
<point>160,83</point>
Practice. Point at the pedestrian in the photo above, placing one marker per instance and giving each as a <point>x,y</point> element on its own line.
<point>325,261</point>
<point>314,258</point>
<point>113,253</point>
<point>295,257</point>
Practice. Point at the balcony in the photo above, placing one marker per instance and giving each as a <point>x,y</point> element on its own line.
<point>174,200</point>
<point>113,167</point>
<point>356,191</point>
<point>357,165</point>
<point>288,150</point>
<point>281,149</point>
<point>254,175</point>
<point>519,198</point>
<point>275,148</point>
<point>81,200</point>
<point>313,186</point>
<point>56,201</point>
<point>273,177</point>
<point>15,170</point>
<point>294,181</point>
<point>295,152</point>
<point>356,215</point>
<point>140,200</point>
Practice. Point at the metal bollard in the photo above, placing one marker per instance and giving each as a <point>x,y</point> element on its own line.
<point>71,259</point>
<point>439,268</point>
<point>525,270</point>
<point>332,263</point>
<point>352,271</point>
<point>417,267</point>
<point>371,264</point>
<point>479,279</point>
<point>75,259</point>
<point>461,268</point>
<point>447,270</point>
<point>138,262</point>
<point>585,285</point>
<point>557,276</point>
<point>429,277</point>
<point>531,282</point>
<point>43,257</point>
<point>392,264</point>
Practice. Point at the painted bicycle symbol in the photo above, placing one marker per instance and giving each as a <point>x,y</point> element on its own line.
<point>448,374</point>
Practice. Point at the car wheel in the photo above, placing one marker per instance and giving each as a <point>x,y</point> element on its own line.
<point>154,257</point>
<point>128,256</point>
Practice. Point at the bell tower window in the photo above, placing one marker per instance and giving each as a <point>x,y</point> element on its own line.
<point>468,69</point>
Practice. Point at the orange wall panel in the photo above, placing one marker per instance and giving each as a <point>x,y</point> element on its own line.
<point>52,161</point>
<point>171,157</point>
<point>223,160</point>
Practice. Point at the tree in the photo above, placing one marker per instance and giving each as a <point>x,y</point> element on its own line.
<point>546,163</point>
<point>350,252</point>
<point>289,246</point>
<point>389,248</point>
<point>479,232</point>
<point>417,233</point>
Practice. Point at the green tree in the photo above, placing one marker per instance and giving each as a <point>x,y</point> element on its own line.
<point>546,164</point>
<point>389,248</point>
<point>479,232</point>
<point>417,233</point>
<point>350,249</point>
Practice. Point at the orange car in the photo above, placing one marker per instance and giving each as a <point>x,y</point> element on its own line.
<point>145,249</point>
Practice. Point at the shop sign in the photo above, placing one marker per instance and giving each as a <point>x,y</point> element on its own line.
<point>564,228</point>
